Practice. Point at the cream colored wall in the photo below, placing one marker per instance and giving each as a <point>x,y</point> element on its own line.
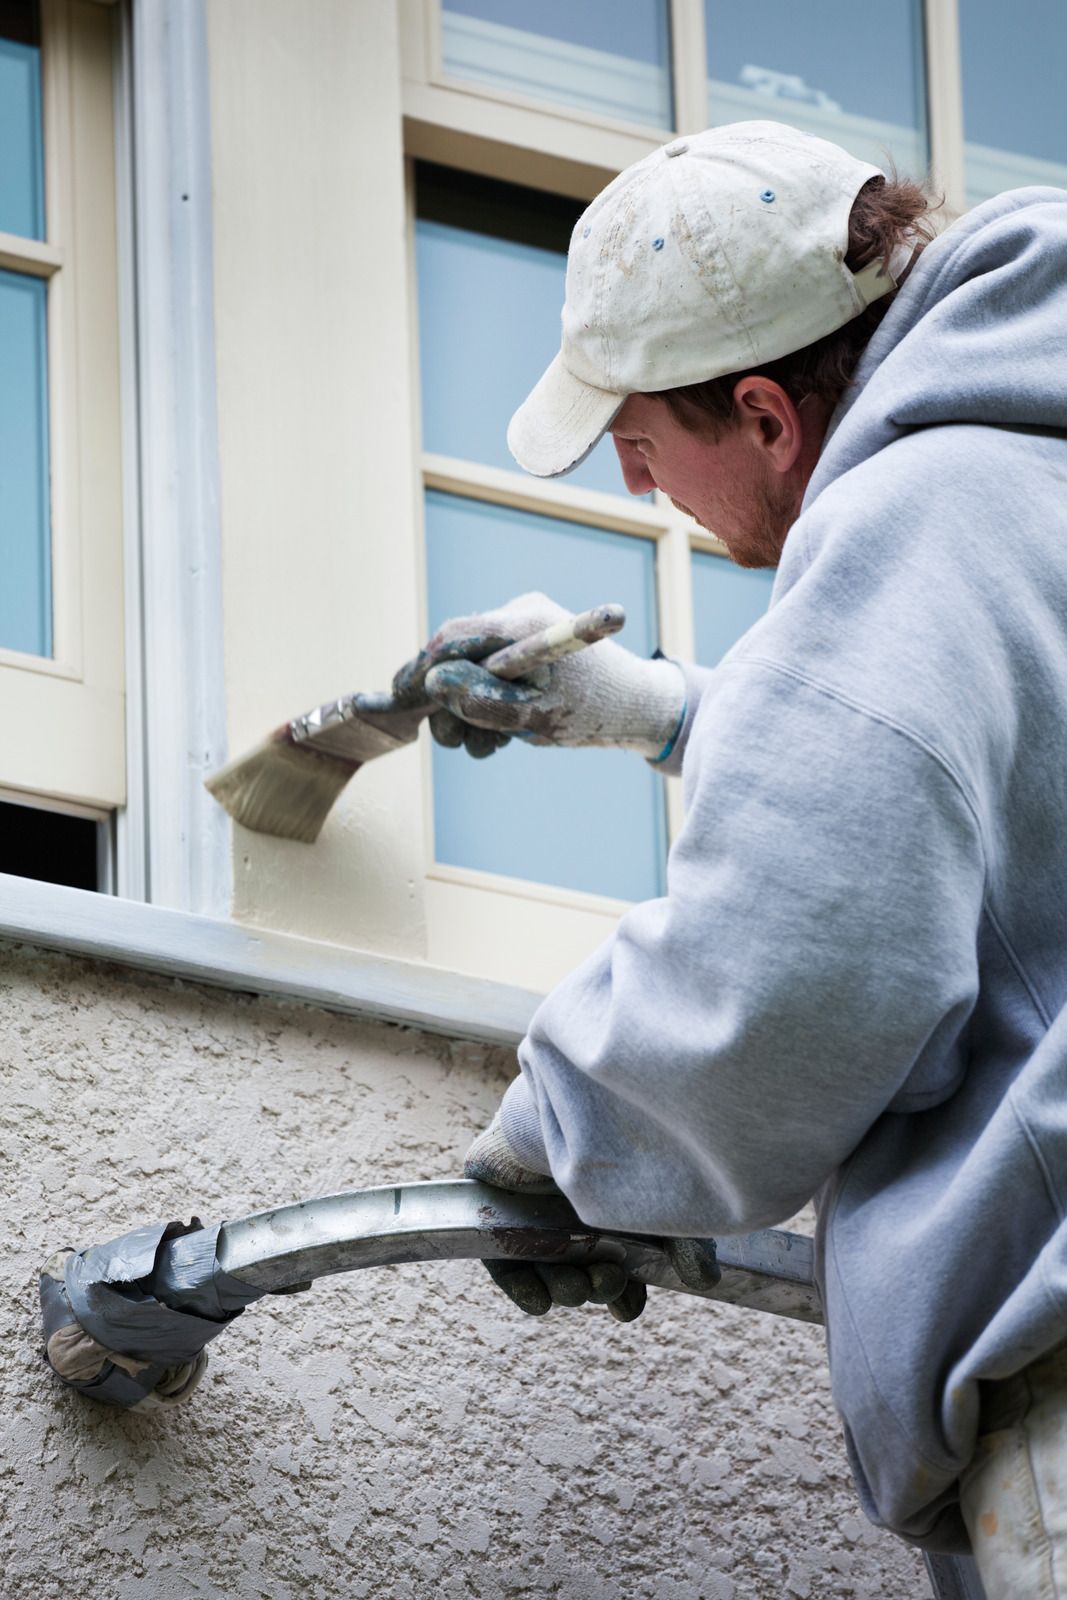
<point>401,1434</point>
<point>316,444</point>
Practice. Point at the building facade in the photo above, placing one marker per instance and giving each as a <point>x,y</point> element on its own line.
<point>273,276</point>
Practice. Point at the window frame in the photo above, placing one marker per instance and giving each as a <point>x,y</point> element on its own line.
<point>66,711</point>
<point>561,147</point>
<point>506,928</point>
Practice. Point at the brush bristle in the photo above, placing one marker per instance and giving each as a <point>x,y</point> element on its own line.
<point>282,788</point>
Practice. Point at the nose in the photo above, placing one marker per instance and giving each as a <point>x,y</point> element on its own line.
<point>635,471</point>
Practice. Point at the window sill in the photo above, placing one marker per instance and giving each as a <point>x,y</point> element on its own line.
<point>228,955</point>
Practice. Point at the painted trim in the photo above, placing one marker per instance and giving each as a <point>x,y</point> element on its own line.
<point>188,856</point>
<point>595,508</point>
<point>130,843</point>
<point>227,955</point>
<point>552,894</point>
<point>36,257</point>
<point>944,96</point>
<point>516,62</point>
<point>688,56</point>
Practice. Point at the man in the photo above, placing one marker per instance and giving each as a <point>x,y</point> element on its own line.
<point>856,983</point>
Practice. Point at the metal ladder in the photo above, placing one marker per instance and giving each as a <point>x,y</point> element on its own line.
<point>284,1250</point>
<point>769,1271</point>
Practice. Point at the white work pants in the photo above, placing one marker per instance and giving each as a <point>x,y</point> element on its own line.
<point>1014,1494</point>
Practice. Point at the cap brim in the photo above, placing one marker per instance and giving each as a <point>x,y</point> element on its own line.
<point>559,422</point>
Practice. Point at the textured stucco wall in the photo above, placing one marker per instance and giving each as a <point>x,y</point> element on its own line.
<point>400,1433</point>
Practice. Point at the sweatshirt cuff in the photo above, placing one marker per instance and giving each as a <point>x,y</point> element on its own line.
<point>669,760</point>
<point>522,1127</point>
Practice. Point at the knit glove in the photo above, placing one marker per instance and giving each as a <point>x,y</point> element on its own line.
<point>604,695</point>
<point>535,1287</point>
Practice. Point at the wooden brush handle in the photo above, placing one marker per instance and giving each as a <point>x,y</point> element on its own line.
<point>559,639</point>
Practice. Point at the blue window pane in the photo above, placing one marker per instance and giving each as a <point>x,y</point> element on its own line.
<point>858,80</point>
<point>21,142</point>
<point>489,324</point>
<point>727,600</point>
<point>25,594</point>
<point>583,819</point>
<point>611,57</point>
<point>1014,63</point>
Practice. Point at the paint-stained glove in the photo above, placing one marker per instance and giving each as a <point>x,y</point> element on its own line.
<point>604,695</point>
<point>535,1287</point>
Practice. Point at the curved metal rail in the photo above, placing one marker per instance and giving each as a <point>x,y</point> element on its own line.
<point>290,1246</point>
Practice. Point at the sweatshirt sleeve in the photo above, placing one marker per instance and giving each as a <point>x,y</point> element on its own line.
<point>712,1063</point>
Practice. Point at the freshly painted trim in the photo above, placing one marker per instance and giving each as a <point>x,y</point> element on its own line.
<point>130,853</point>
<point>188,847</point>
<point>688,55</point>
<point>601,905</point>
<point>944,94</point>
<point>46,802</point>
<point>33,256</point>
<point>548,147</point>
<point>227,955</point>
<point>594,507</point>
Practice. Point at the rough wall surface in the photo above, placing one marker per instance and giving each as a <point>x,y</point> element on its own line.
<point>401,1433</point>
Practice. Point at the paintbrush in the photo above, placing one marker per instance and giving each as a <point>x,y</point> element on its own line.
<point>288,784</point>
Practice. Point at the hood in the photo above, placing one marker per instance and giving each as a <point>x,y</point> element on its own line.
<point>977,334</point>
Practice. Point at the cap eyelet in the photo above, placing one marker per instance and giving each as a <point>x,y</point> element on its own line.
<point>767,196</point>
<point>586,232</point>
<point>657,244</point>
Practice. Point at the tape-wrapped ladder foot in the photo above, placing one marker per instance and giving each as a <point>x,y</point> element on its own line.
<point>127,1323</point>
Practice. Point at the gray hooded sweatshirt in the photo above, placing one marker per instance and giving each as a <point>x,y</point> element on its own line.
<point>856,984</point>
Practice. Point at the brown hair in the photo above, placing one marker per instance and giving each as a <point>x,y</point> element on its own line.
<point>884,215</point>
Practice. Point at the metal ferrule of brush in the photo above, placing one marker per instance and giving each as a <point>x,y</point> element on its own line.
<point>331,715</point>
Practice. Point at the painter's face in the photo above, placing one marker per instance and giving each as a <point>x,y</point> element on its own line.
<point>725,484</point>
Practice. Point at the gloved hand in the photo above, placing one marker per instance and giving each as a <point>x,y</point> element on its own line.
<point>535,1287</point>
<point>604,695</point>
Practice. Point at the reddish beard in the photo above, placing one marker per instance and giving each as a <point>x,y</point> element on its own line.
<point>770,514</point>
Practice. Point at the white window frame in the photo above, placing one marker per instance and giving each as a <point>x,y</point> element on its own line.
<point>135,515</point>
<point>508,928</point>
<point>64,714</point>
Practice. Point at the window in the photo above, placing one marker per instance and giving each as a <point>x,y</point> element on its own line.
<point>611,57</point>
<point>54,847</point>
<point>61,645</point>
<point>489,302</point>
<point>592,820</point>
<point>1014,68</point>
<point>26,596</point>
<point>557,839</point>
<point>861,86</point>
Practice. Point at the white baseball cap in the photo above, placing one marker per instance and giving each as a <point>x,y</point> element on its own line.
<point>717,253</point>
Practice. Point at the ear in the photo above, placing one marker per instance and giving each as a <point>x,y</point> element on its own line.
<point>770,420</point>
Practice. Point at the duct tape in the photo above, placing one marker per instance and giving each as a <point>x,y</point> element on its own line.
<point>128,1322</point>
